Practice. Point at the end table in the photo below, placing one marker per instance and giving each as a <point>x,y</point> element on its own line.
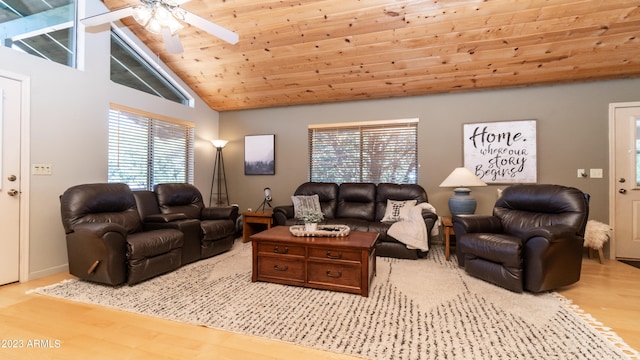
<point>255,221</point>
<point>448,230</point>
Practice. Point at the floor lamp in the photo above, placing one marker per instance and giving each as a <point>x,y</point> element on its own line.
<point>218,169</point>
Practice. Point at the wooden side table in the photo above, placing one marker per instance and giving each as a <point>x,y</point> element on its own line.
<point>448,230</point>
<point>255,221</point>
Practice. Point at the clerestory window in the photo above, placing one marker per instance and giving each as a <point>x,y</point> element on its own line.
<point>43,28</point>
<point>130,68</point>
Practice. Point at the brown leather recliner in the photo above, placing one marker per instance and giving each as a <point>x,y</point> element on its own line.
<point>105,238</point>
<point>217,224</point>
<point>532,242</point>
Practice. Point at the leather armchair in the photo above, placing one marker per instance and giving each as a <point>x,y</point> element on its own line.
<point>533,241</point>
<point>106,242</point>
<point>217,224</point>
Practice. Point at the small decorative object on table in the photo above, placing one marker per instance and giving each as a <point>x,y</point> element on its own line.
<point>321,231</point>
<point>311,219</point>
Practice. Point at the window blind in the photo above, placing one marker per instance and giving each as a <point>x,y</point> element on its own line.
<point>364,152</point>
<point>145,151</point>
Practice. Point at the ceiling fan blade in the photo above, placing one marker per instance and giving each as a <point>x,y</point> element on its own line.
<point>172,42</point>
<point>212,28</point>
<point>107,17</point>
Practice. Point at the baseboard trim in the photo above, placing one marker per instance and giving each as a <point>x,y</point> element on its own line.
<point>47,272</point>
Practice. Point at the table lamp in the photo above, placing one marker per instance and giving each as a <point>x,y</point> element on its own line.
<point>461,179</point>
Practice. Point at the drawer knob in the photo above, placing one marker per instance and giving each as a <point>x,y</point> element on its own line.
<point>330,274</point>
<point>331,256</point>
<point>278,251</point>
<point>278,268</point>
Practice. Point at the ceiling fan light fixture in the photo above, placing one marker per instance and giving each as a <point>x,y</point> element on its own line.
<point>154,26</point>
<point>154,15</point>
<point>142,14</point>
<point>163,15</point>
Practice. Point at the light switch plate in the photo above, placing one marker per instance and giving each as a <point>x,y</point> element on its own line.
<point>41,169</point>
<point>595,173</point>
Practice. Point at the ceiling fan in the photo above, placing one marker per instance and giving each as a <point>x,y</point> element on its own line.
<point>161,17</point>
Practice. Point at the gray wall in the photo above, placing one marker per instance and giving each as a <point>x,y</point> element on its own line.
<point>69,131</point>
<point>572,131</point>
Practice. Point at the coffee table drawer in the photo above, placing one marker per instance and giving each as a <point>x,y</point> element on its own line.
<point>334,254</point>
<point>275,267</point>
<point>335,274</point>
<point>270,248</point>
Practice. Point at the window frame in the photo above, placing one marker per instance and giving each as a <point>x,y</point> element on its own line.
<point>364,153</point>
<point>159,129</point>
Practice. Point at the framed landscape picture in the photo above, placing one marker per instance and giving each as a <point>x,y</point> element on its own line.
<point>259,155</point>
<point>501,152</point>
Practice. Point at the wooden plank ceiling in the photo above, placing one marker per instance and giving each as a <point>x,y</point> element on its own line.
<point>306,52</point>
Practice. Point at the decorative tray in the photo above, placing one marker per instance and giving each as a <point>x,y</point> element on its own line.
<point>323,231</point>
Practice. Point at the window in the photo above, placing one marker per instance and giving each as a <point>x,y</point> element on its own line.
<point>145,149</point>
<point>374,152</point>
<point>130,68</point>
<point>42,28</point>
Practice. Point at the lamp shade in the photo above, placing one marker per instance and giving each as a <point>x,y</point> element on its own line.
<point>218,144</point>
<point>461,179</point>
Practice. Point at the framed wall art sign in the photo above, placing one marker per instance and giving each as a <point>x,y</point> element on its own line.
<point>259,155</point>
<point>501,152</point>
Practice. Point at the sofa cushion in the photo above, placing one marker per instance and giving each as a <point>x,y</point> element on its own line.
<point>153,243</point>
<point>179,198</point>
<point>100,203</point>
<point>305,203</point>
<point>357,201</point>
<point>217,229</point>
<point>398,210</point>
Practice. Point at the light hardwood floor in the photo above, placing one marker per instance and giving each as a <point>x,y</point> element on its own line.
<point>48,328</point>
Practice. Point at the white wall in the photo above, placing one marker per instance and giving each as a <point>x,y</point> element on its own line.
<point>69,109</point>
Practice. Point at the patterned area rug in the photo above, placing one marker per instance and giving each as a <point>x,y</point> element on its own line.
<point>417,309</point>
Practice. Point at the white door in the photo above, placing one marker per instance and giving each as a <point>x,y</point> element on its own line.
<point>10,105</point>
<point>625,184</point>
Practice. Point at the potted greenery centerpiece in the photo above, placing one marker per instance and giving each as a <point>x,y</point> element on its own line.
<point>311,219</point>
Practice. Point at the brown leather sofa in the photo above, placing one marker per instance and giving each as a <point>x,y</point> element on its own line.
<point>362,206</point>
<point>106,242</point>
<point>115,235</point>
<point>533,241</point>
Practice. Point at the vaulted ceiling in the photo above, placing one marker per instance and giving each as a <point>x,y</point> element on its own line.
<point>305,52</point>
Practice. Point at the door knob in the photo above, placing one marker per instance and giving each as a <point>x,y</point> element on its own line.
<point>622,180</point>
<point>622,191</point>
<point>12,192</point>
<point>12,178</point>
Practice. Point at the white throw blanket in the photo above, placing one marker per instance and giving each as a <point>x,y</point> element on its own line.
<point>413,231</point>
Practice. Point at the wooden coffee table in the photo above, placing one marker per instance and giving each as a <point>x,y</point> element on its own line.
<point>345,264</point>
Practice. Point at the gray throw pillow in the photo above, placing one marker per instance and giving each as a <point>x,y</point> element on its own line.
<point>303,203</point>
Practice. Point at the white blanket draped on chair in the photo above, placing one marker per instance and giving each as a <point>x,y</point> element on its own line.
<point>413,231</point>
